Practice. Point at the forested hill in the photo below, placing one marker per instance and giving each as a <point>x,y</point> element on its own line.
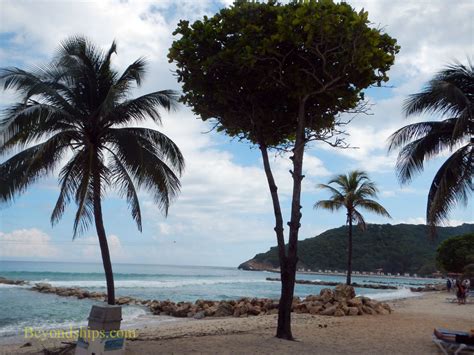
<point>394,248</point>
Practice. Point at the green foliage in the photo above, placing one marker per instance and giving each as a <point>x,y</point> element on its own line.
<point>468,271</point>
<point>449,93</point>
<point>81,108</point>
<point>454,254</point>
<point>395,248</point>
<point>250,65</point>
<point>427,269</point>
<point>353,192</point>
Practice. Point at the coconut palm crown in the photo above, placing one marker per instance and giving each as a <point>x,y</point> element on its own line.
<point>451,94</point>
<point>75,116</point>
<point>352,192</point>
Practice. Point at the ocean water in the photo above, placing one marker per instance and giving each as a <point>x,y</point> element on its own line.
<point>21,307</point>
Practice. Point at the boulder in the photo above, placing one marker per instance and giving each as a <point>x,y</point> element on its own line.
<point>42,286</point>
<point>329,311</point>
<point>224,309</point>
<point>254,310</point>
<point>315,309</point>
<point>368,310</point>
<point>353,311</point>
<point>199,315</point>
<point>326,295</point>
<point>339,313</point>
<point>180,311</point>
<point>344,292</point>
<point>354,302</point>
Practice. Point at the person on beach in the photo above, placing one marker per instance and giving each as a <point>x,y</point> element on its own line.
<point>458,338</point>
<point>461,292</point>
<point>448,285</point>
<point>467,284</point>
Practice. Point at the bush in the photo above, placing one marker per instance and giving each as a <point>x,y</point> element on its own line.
<point>455,253</point>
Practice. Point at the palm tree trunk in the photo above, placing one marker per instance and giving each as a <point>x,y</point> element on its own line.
<point>349,251</point>
<point>104,248</point>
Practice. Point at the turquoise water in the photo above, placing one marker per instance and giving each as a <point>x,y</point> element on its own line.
<point>20,307</point>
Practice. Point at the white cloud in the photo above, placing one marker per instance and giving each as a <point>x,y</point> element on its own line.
<point>23,243</point>
<point>90,250</point>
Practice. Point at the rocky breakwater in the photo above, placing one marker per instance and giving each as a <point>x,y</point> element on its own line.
<point>68,291</point>
<point>331,283</point>
<point>5,281</point>
<point>428,288</point>
<point>338,302</point>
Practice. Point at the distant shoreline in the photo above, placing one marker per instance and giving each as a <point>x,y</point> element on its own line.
<point>353,275</point>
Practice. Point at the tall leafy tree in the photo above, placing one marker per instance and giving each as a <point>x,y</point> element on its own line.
<point>451,94</point>
<point>79,108</point>
<point>278,76</point>
<point>353,192</point>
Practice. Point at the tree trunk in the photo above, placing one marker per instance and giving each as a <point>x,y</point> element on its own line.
<point>287,283</point>
<point>288,274</point>
<point>104,248</point>
<point>349,251</point>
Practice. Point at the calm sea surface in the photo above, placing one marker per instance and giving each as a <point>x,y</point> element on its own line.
<point>20,307</point>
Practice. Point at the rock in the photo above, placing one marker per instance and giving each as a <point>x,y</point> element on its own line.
<point>326,295</point>
<point>329,311</point>
<point>312,298</point>
<point>354,302</point>
<point>344,292</point>
<point>181,311</point>
<point>123,300</point>
<point>210,311</point>
<point>41,286</point>
<point>387,307</point>
<point>255,310</point>
<point>224,309</point>
<point>353,311</point>
<point>315,309</point>
<point>368,310</point>
<point>199,315</point>
<point>381,310</point>
<point>339,313</point>
<point>12,282</point>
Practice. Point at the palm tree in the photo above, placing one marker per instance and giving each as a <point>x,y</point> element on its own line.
<point>450,93</point>
<point>354,192</point>
<point>79,108</point>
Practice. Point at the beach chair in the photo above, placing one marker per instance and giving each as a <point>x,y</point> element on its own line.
<point>448,347</point>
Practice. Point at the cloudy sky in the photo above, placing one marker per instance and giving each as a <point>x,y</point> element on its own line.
<point>223,215</point>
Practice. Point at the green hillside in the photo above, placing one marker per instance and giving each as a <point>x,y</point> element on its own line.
<point>394,248</point>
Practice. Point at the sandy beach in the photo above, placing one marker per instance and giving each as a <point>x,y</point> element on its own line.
<point>406,331</point>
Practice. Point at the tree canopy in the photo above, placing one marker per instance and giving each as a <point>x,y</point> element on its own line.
<point>249,65</point>
<point>455,253</point>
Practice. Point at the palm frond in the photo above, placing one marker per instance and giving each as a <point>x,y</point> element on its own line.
<point>445,94</point>
<point>69,178</point>
<point>412,156</point>
<point>451,184</point>
<point>24,124</point>
<point>26,167</point>
<point>124,183</point>
<point>330,205</point>
<point>357,216</point>
<point>148,170</point>
<point>142,108</point>
<point>373,206</point>
<point>159,144</point>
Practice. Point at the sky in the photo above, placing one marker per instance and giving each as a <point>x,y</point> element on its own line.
<point>223,215</point>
